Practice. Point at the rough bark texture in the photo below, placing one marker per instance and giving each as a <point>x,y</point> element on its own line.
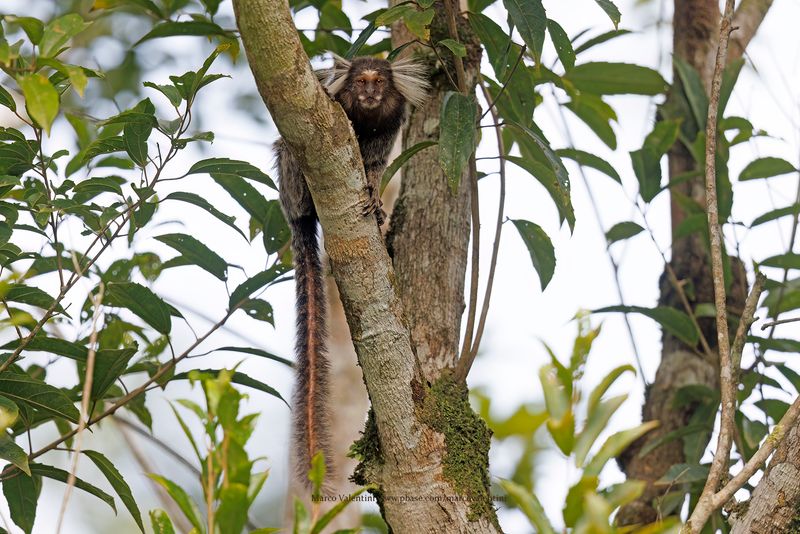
<point>429,235</point>
<point>695,33</point>
<point>412,420</point>
<point>775,503</point>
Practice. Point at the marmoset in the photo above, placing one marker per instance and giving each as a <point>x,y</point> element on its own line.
<point>375,95</point>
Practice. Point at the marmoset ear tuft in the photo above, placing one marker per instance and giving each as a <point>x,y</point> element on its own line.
<point>410,78</point>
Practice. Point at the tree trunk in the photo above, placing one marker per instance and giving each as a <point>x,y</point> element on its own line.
<point>775,503</point>
<point>695,34</point>
<point>423,445</point>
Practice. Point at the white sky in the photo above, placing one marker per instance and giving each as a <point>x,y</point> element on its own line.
<point>521,315</point>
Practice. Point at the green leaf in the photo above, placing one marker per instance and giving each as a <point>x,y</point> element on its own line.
<point>611,10</point>
<point>170,91</point>
<point>694,90</point>
<point>574,506</point>
<point>201,202</point>
<point>601,388</point>
<point>362,38</point>
<point>418,23</point>
<point>540,249</point>
<point>400,160</point>
<point>258,352</point>
<point>600,39</point>
<point>674,321</point>
<point>59,31</point>
<point>456,135</point>
<point>141,302</point>
<point>793,210</point>
<point>455,47</point>
<point>590,160</point>
<point>161,522</point>
<point>791,375</point>
<point>766,167</point>
<point>244,194</point>
<point>647,168</point>
<point>136,132</point>
<point>33,28</point>
<point>596,422</point>
<point>789,260</point>
<point>170,29</point>
<point>529,505</point>
<point>109,365</point>
<point>237,378</point>
<point>196,253</point>
<point>530,18</point>
<point>496,42</point>
<point>394,13</point>
<point>604,78</point>
<point>231,166</point>
<point>276,231</point>
<point>60,475</point>
<point>253,284</point>
<point>61,347</point>
<point>259,310</point>
<point>9,412</point>
<point>13,453</point>
<point>22,495</point>
<point>117,482</point>
<point>231,515</point>
<point>663,136</point>
<point>614,445</point>
<point>7,100</point>
<point>23,389</point>
<point>182,499</point>
<point>41,99</point>
<point>623,230</point>
<point>32,296</point>
<point>596,114</point>
<point>562,44</point>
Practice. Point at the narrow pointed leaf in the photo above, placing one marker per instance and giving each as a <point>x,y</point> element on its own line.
<point>540,249</point>
<point>117,482</point>
<point>456,135</point>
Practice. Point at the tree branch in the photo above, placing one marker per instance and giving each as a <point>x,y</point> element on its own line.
<point>321,138</point>
<point>747,19</point>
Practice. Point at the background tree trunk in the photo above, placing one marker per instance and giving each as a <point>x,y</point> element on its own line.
<point>695,33</point>
<point>775,503</point>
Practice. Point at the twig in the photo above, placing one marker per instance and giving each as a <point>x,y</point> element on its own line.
<point>505,84</point>
<point>85,405</point>
<point>782,321</point>
<point>167,367</point>
<point>496,245</point>
<point>719,464</point>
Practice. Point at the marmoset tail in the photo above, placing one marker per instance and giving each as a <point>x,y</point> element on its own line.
<point>374,94</point>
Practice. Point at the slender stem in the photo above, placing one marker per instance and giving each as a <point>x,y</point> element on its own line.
<point>85,401</point>
<point>782,321</point>
<point>719,464</point>
<point>497,232</point>
<point>508,79</point>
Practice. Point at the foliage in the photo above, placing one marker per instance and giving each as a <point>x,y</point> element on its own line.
<point>588,506</point>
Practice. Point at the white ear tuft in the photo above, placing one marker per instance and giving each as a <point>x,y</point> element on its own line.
<point>410,78</point>
<point>333,79</point>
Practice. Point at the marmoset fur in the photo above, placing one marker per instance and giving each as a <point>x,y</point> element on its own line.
<point>375,95</point>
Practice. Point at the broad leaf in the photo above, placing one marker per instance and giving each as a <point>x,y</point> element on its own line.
<point>603,78</point>
<point>540,249</point>
<point>183,500</point>
<point>237,378</point>
<point>60,475</point>
<point>590,160</point>
<point>622,231</point>
<point>400,160</point>
<point>196,253</point>
<point>22,496</point>
<point>611,10</point>
<point>170,29</point>
<point>530,19</point>
<point>141,302</point>
<point>13,453</point>
<point>231,166</point>
<point>41,99</point>
<point>765,168</point>
<point>201,202</point>
<point>253,284</point>
<point>674,321</point>
<point>58,33</point>
<point>456,135</point>
<point>25,390</point>
<point>117,482</point>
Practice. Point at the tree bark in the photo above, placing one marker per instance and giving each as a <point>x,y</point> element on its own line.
<point>695,33</point>
<point>404,450</point>
<point>775,503</point>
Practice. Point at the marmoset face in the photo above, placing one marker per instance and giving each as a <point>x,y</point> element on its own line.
<point>370,86</point>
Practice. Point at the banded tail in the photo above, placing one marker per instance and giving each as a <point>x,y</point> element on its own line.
<point>310,414</point>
